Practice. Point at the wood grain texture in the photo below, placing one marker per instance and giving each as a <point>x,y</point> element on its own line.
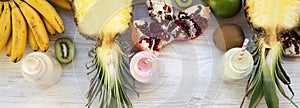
<point>190,75</point>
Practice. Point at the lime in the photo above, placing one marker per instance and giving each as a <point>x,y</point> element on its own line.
<point>224,8</point>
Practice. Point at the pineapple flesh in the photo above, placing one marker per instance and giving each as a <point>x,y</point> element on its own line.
<point>104,20</point>
<point>271,18</point>
<point>91,16</point>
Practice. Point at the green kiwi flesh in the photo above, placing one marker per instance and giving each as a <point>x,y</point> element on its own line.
<point>64,50</point>
<point>184,3</point>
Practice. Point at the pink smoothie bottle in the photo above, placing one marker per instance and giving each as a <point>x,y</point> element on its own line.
<point>144,67</point>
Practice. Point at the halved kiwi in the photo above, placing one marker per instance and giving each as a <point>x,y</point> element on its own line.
<point>184,3</point>
<point>64,50</point>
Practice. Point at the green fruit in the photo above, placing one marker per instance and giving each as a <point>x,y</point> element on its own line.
<point>224,8</point>
<point>184,3</point>
<point>64,50</point>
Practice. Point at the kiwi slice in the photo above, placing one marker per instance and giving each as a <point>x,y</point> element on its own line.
<point>184,3</point>
<point>64,50</point>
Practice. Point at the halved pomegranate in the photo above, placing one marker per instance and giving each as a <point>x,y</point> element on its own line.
<point>291,43</point>
<point>154,34</point>
<point>149,35</point>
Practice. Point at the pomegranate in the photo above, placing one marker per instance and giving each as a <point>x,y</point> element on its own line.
<point>161,30</point>
<point>160,9</point>
<point>291,43</point>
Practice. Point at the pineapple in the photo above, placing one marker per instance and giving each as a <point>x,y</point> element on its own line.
<point>91,16</point>
<point>271,18</point>
<point>104,20</point>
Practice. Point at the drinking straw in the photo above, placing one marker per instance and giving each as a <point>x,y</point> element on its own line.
<point>154,55</point>
<point>242,52</point>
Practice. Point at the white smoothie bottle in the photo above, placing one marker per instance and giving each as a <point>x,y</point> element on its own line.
<point>238,62</point>
<point>41,69</point>
<point>235,68</point>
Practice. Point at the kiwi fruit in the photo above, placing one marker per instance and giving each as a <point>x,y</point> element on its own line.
<point>64,50</point>
<point>184,3</point>
<point>228,36</point>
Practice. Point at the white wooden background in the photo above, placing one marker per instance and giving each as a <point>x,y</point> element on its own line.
<point>190,75</point>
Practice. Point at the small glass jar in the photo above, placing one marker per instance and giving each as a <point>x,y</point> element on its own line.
<point>41,69</point>
<point>144,72</point>
<point>235,68</point>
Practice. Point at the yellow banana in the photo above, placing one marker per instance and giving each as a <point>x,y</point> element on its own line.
<point>19,33</point>
<point>8,46</point>
<point>49,28</point>
<point>1,5</point>
<point>36,25</point>
<point>64,4</point>
<point>49,12</point>
<point>32,42</point>
<point>5,26</point>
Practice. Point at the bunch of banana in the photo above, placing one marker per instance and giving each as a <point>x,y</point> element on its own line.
<point>27,19</point>
<point>64,4</point>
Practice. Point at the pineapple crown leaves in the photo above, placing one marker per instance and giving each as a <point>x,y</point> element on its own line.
<point>108,82</point>
<point>264,80</point>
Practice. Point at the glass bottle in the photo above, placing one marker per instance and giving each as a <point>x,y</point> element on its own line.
<point>41,69</point>
<point>235,68</point>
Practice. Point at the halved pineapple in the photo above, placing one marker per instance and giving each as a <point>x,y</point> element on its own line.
<point>104,20</point>
<point>270,18</point>
<point>273,16</point>
<point>91,16</point>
